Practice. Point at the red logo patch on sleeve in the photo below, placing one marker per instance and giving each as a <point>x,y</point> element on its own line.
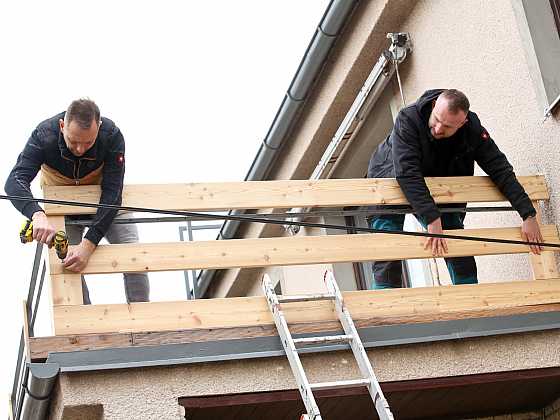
<point>485,135</point>
<point>120,158</point>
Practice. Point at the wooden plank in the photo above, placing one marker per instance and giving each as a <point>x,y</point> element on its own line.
<point>253,311</point>
<point>26,332</point>
<point>288,194</point>
<point>267,252</point>
<point>544,266</point>
<point>66,287</point>
<point>41,346</point>
<point>10,407</point>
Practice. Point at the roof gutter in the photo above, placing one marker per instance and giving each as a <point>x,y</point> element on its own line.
<point>328,31</point>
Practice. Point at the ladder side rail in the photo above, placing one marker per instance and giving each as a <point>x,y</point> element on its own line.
<point>291,351</point>
<point>381,404</point>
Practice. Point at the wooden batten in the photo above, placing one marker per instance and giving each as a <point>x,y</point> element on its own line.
<point>426,304</point>
<point>66,287</point>
<point>26,332</point>
<point>267,252</point>
<point>41,346</point>
<point>288,194</point>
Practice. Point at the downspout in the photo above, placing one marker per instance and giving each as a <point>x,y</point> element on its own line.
<point>33,382</point>
<point>42,377</point>
<point>329,29</point>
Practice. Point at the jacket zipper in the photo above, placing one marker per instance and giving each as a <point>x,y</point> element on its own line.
<point>76,167</point>
<point>77,171</point>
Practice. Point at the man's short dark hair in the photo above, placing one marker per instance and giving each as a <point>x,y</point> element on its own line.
<point>456,101</point>
<point>83,111</point>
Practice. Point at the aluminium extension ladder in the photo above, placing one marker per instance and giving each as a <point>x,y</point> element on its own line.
<point>350,336</point>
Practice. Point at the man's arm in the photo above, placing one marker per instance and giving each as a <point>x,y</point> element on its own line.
<point>25,170</point>
<point>19,184</point>
<point>492,161</point>
<point>111,193</point>
<point>408,171</point>
<point>111,187</point>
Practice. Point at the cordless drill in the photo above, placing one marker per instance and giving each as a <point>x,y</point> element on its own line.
<point>60,240</point>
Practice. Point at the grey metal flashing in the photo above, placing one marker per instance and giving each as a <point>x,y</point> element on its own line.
<point>328,30</point>
<point>372,337</point>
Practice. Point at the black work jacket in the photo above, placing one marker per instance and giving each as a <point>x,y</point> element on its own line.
<point>46,146</point>
<point>410,153</point>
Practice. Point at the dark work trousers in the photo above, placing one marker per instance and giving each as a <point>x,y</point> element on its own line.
<point>388,274</point>
<point>136,285</point>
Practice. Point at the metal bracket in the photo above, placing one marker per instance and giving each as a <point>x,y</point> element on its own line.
<point>401,45</point>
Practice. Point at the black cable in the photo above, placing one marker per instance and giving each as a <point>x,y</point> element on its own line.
<point>87,220</point>
<point>242,218</point>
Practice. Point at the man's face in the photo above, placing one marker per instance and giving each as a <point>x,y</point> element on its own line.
<point>79,140</point>
<point>443,123</point>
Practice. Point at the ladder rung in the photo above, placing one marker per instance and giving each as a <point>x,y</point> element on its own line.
<point>340,384</point>
<point>305,298</point>
<point>327,339</point>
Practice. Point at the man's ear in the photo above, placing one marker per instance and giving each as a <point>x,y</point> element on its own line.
<point>61,124</point>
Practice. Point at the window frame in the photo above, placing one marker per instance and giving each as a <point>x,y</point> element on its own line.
<point>555,6</point>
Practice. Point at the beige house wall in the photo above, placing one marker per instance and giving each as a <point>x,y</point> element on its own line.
<point>152,393</point>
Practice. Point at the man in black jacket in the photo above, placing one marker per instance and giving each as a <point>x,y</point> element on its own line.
<point>78,147</point>
<point>439,136</point>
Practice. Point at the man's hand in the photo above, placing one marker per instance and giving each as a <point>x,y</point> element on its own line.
<point>43,231</point>
<point>531,232</point>
<point>438,245</point>
<point>78,256</point>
